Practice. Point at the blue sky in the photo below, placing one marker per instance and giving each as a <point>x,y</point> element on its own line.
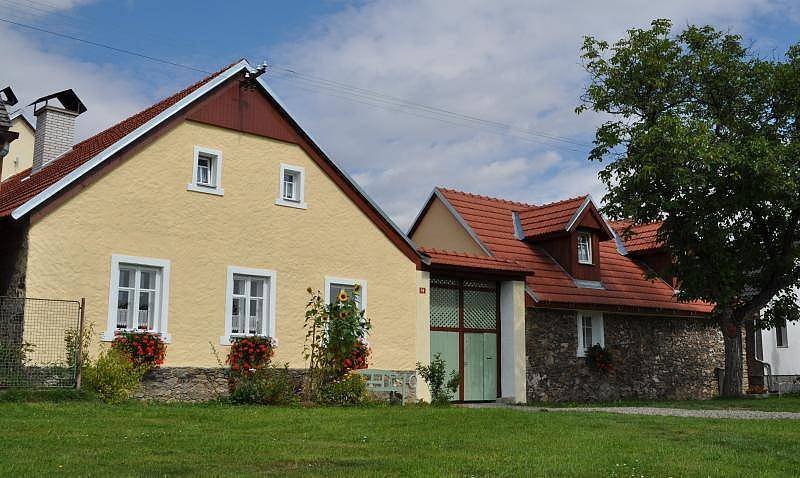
<point>514,62</point>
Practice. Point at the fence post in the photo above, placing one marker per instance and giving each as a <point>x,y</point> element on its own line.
<point>79,361</point>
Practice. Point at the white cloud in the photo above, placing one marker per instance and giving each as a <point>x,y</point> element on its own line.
<point>516,62</point>
<point>33,70</point>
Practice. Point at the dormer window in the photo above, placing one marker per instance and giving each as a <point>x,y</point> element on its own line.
<point>292,187</point>
<point>207,173</point>
<point>584,248</point>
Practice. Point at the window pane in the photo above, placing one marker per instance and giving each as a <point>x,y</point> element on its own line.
<point>256,313</point>
<point>583,248</point>
<point>125,278</point>
<point>780,335</point>
<point>124,310</point>
<point>146,310</point>
<point>239,286</point>
<point>256,288</point>
<point>237,315</point>
<point>147,280</point>
<point>288,189</point>
<point>587,331</point>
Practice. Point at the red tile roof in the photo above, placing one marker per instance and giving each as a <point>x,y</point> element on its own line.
<point>625,285</point>
<point>540,221</point>
<point>21,187</point>
<point>639,238</point>
<point>470,261</point>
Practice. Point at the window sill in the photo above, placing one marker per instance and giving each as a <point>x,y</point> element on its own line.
<point>294,204</point>
<point>227,339</point>
<point>109,336</point>
<point>584,263</point>
<point>205,189</point>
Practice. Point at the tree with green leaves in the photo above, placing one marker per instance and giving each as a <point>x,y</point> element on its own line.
<point>702,134</point>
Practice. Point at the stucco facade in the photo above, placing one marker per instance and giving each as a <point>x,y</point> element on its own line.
<point>20,152</point>
<point>141,207</point>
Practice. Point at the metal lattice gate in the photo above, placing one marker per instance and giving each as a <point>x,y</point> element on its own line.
<point>40,342</point>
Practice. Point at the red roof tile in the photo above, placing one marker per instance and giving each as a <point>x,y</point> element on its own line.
<point>471,261</point>
<point>21,187</point>
<point>625,285</point>
<point>639,238</point>
<point>540,221</point>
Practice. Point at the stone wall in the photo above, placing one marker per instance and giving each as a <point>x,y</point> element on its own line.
<point>653,358</point>
<point>13,257</point>
<point>197,384</point>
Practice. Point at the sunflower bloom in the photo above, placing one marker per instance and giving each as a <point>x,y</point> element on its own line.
<point>342,296</point>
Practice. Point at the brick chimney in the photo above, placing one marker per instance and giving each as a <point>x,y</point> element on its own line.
<point>55,126</point>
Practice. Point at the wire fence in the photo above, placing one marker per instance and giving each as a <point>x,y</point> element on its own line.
<point>39,342</point>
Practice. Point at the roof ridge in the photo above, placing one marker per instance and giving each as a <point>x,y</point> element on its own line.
<point>562,201</point>
<point>481,196</point>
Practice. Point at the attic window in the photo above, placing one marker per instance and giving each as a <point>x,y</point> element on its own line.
<point>292,187</point>
<point>207,172</point>
<point>584,248</point>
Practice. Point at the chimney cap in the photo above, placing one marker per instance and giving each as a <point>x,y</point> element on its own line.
<point>68,98</point>
<point>10,97</point>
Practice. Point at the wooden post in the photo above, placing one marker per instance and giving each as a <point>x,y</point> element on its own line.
<point>79,361</point>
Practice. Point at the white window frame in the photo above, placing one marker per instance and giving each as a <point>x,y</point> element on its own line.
<point>300,187</point>
<point>329,280</point>
<point>160,322</point>
<point>588,237</point>
<point>598,330</point>
<point>268,323</point>
<point>215,173</point>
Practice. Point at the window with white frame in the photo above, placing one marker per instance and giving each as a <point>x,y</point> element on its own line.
<point>335,285</point>
<point>292,186</point>
<point>138,295</point>
<point>207,172</point>
<point>584,248</point>
<point>781,336</point>
<point>590,331</point>
<point>250,303</point>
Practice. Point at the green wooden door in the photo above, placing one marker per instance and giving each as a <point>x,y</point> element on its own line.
<point>480,366</point>
<point>446,344</point>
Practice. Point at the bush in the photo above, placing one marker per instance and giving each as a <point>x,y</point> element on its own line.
<point>435,375</point>
<point>268,385</point>
<point>350,389</point>
<point>249,354</point>
<point>43,395</point>
<point>72,340</point>
<point>113,376</point>
<point>599,358</point>
<point>144,349</point>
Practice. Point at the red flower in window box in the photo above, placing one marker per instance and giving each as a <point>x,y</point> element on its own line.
<point>249,354</point>
<point>145,349</point>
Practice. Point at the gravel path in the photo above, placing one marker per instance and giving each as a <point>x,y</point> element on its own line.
<point>667,412</point>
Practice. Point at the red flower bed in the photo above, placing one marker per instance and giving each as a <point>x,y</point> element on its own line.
<point>249,354</point>
<point>145,349</point>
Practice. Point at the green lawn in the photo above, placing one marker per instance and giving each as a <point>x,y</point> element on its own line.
<point>786,403</point>
<point>90,439</point>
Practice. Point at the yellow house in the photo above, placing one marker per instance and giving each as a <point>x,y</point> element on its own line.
<point>206,217</point>
<point>20,152</point>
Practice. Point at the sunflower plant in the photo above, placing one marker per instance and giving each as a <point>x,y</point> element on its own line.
<point>336,337</point>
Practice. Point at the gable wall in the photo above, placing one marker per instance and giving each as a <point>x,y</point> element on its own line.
<point>438,229</point>
<point>141,207</point>
<point>20,151</point>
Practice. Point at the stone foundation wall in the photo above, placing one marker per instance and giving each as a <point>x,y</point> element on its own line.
<point>195,384</point>
<point>653,358</point>
<point>13,257</point>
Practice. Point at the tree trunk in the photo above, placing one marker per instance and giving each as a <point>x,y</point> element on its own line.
<point>732,337</point>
